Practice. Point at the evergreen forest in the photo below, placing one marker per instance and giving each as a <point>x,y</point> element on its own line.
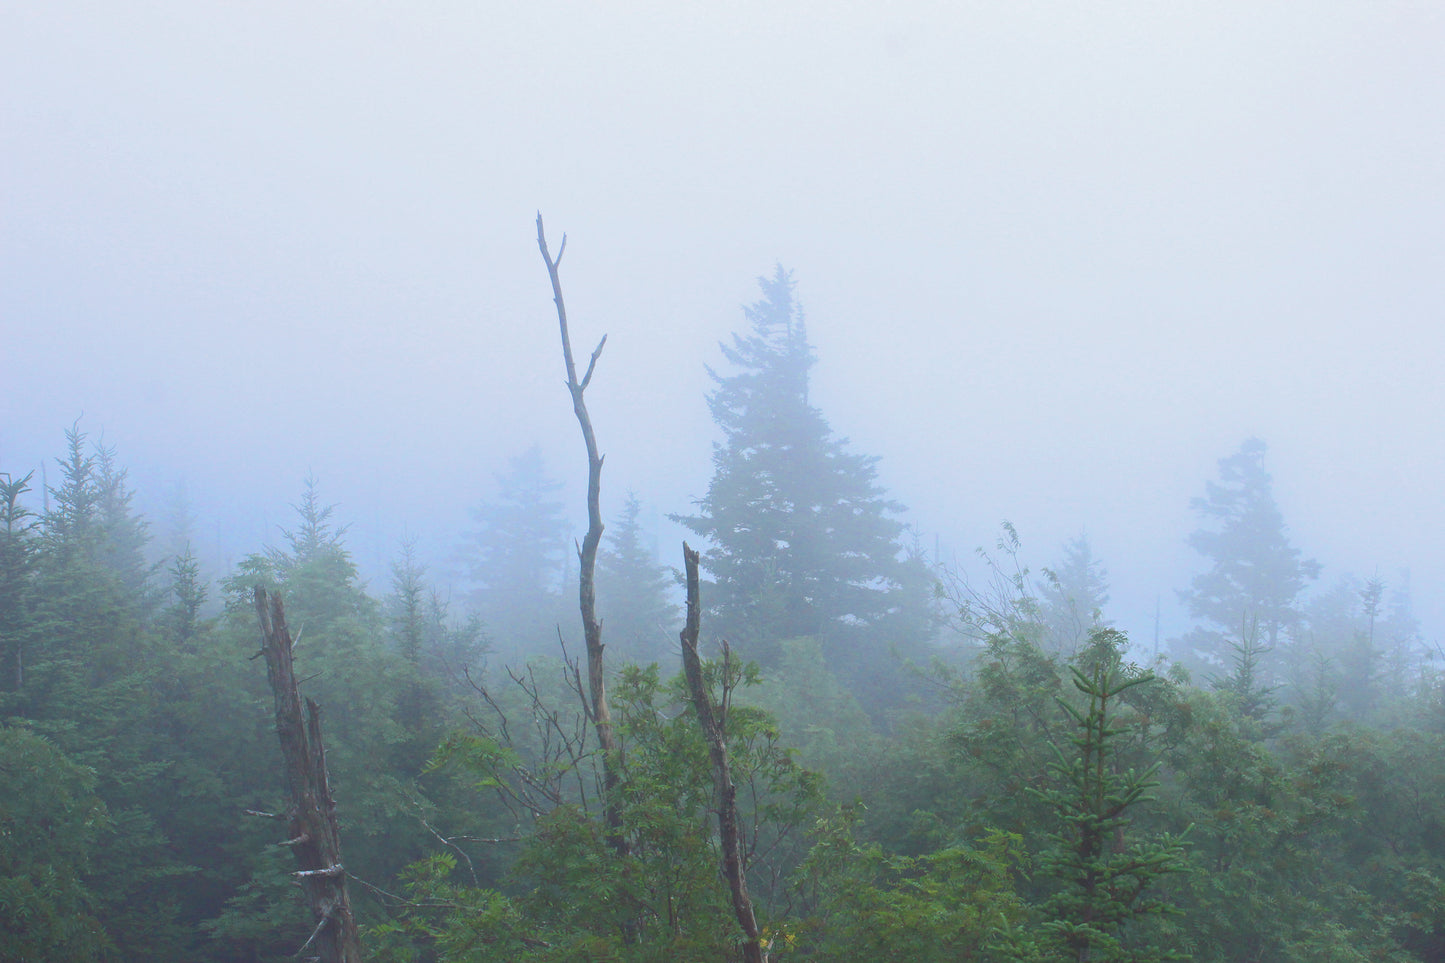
<point>833,748</point>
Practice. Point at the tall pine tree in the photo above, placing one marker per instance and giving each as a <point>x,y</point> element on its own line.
<point>17,559</point>
<point>635,594</point>
<point>1255,574</point>
<point>517,559</point>
<point>1072,596</point>
<point>803,540</point>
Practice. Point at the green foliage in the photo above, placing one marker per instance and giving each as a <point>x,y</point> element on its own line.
<point>954,903</point>
<point>576,896</point>
<point>802,540</point>
<point>50,824</point>
<point>190,594</point>
<point>1245,683</point>
<point>1100,878</point>
<point>1031,807</point>
<point>823,720</point>
<point>438,652</point>
<point>17,559</point>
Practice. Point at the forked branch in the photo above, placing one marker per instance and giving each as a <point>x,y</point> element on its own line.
<point>587,551</point>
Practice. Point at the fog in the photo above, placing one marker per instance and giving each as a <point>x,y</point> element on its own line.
<point>1056,260</point>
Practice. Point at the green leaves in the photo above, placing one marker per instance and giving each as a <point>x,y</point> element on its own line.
<point>571,894</point>
<point>957,902</point>
<point>481,755</point>
<point>50,824</point>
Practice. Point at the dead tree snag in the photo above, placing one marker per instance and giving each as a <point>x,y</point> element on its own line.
<point>712,719</point>
<point>311,813</point>
<point>598,709</point>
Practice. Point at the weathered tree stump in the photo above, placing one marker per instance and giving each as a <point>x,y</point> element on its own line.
<point>311,813</point>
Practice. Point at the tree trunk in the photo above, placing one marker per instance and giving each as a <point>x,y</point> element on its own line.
<point>599,711</point>
<point>311,814</point>
<point>713,724</point>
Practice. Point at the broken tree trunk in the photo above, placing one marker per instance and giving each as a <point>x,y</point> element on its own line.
<point>311,812</point>
<point>713,722</point>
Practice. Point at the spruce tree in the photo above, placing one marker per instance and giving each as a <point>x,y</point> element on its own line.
<point>1072,597</point>
<point>635,592</point>
<point>190,593</point>
<point>17,560</point>
<point>1255,574</point>
<point>1103,877</point>
<point>517,558</point>
<point>803,540</point>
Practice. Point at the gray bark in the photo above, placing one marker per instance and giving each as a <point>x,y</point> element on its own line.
<point>311,814</point>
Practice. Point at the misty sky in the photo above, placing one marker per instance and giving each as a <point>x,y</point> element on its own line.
<point>1057,259</point>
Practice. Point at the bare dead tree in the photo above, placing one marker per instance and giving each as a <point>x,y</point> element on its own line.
<point>712,719</point>
<point>311,816</point>
<point>598,709</point>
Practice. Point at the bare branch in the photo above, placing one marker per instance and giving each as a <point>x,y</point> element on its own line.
<point>335,869</point>
<point>592,364</point>
<point>325,918</point>
<point>448,842</point>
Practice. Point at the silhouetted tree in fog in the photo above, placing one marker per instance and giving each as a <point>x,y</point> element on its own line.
<point>17,557</point>
<point>517,557</point>
<point>803,540</point>
<point>1072,596</point>
<point>634,592</point>
<point>1255,574</point>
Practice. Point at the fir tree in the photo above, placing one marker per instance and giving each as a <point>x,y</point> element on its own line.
<point>1255,574</point>
<point>438,653</point>
<point>635,592</point>
<point>803,540</point>
<point>321,580</point>
<point>1072,598</point>
<point>1103,878</point>
<point>124,533</point>
<point>17,558</point>
<point>516,558</point>
<point>72,523</point>
<point>189,590</point>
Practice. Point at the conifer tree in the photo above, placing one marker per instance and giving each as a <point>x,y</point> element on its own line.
<point>803,540</point>
<point>437,652</point>
<point>51,822</point>
<point>1072,598</point>
<point>1255,574</point>
<point>17,559</point>
<point>91,684</point>
<point>190,593</point>
<point>634,591</point>
<point>124,533</point>
<point>321,578</point>
<point>1103,877</point>
<point>73,507</point>
<point>516,558</point>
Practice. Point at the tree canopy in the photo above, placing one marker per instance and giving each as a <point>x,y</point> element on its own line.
<point>802,540</point>
<point>1255,574</point>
